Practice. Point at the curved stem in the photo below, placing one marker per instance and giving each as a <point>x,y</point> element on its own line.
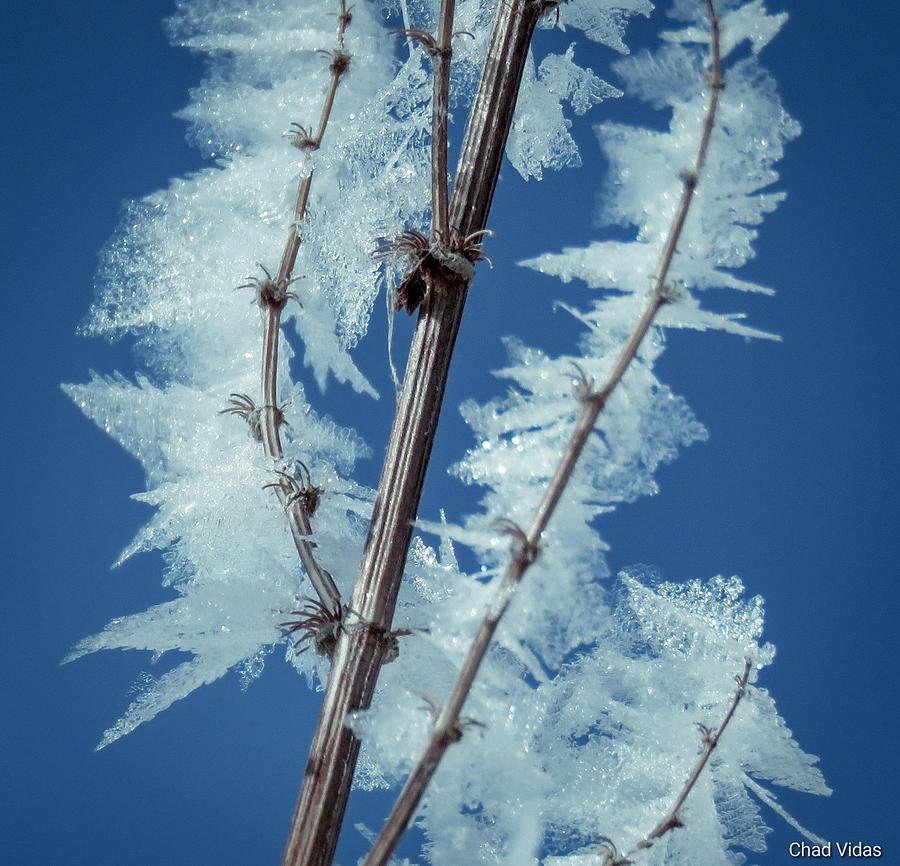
<point>301,531</point>
<point>269,419</point>
<point>270,412</point>
<point>672,819</point>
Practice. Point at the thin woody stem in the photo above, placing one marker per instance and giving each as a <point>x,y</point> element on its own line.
<point>333,83</point>
<point>292,247</point>
<point>358,656</point>
<point>672,819</point>
<point>270,413</point>
<point>338,70</point>
<point>440,219</point>
<point>269,420</point>
<point>447,728</point>
<point>301,531</point>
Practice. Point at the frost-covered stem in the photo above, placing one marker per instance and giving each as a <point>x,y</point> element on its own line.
<point>448,727</point>
<point>440,219</point>
<point>357,660</point>
<point>492,113</point>
<point>339,65</point>
<point>292,247</point>
<point>270,419</point>
<point>672,818</point>
<point>270,416</point>
<point>301,530</point>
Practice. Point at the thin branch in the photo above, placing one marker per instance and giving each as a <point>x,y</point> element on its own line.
<point>672,819</point>
<point>526,545</point>
<point>300,498</point>
<point>441,57</point>
<point>340,63</point>
<point>272,295</point>
<point>268,421</point>
<point>360,651</point>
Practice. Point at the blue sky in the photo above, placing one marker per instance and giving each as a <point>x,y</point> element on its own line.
<point>796,489</point>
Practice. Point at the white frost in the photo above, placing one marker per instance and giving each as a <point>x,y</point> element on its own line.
<point>591,692</point>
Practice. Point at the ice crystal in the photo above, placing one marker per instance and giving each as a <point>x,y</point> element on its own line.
<point>592,692</point>
<point>592,689</point>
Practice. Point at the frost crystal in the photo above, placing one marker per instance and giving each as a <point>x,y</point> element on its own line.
<point>592,692</point>
<point>592,689</point>
<point>540,135</point>
<point>168,277</point>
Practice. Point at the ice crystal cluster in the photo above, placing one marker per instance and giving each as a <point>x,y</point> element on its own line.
<point>591,693</point>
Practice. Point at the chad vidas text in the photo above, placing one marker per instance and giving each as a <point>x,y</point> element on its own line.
<point>827,850</point>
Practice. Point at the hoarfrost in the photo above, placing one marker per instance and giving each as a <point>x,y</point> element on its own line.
<point>168,278</point>
<point>603,21</point>
<point>540,136</point>
<point>593,691</point>
<point>593,686</point>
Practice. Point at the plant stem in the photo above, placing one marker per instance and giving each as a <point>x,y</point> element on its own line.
<point>447,727</point>
<point>672,818</point>
<point>440,216</point>
<point>329,771</point>
<point>292,247</point>
<point>301,530</point>
<point>270,417</point>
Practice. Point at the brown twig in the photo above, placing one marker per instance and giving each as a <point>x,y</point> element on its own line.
<point>526,545</point>
<point>272,295</point>
<point>445,250</point>
<point>340,63</point>
<point>441,57</point>
<point>672,819</point>
<point>359,653</point>
<point>299,498</point>
<point>440,49</point>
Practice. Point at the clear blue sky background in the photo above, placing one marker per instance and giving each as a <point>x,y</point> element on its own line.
<point>796,490</point>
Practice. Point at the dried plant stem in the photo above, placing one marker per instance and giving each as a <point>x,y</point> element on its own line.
<point>672,818</point>
<point>270,422</point>
<point>358,656</point>
<point>447,728</point>
<point>301,530</point>
<point>292,247</point>
<point>442,55</point>
<point>270,416</point>
<point>338,68</point>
